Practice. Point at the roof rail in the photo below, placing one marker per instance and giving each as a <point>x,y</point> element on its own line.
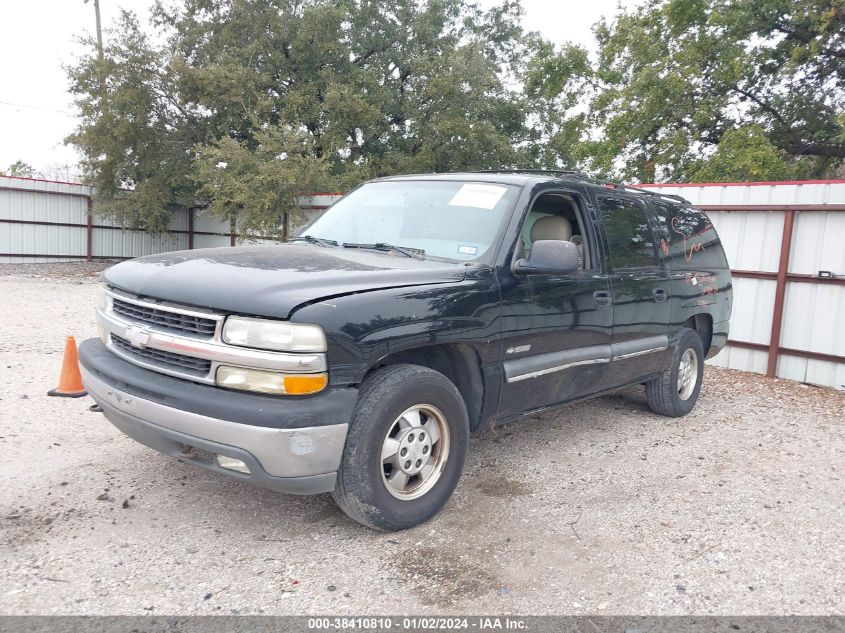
<point>538,172</point>
<point>656,194</point>
<point>571,173</point>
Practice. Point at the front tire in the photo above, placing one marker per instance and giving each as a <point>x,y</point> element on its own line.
<point>405,449</point>
<point>675,392</point>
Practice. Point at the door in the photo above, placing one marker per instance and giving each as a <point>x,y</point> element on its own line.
<point>639,287</point>
<point>556,327</point>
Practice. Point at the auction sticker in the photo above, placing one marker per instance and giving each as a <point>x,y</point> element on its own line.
<point>478,196</point>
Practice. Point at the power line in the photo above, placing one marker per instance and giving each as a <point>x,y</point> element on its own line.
<point>35,107</point>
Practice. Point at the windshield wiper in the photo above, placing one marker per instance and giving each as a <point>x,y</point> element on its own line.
<point>315,240</point>
<point>415,253</point>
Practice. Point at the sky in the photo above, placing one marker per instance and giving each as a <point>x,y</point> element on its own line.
<point>39,37</point>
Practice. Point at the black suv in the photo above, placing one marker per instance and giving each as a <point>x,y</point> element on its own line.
<point>357,358</point>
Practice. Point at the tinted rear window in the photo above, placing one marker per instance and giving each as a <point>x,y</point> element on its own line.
<point>687,237</point>
<point>629,235</point>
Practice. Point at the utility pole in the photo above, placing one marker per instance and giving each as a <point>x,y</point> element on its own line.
<point>99,28</point>
<point>100,59</point>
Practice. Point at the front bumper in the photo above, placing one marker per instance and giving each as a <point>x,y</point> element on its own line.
<point>295,459</point>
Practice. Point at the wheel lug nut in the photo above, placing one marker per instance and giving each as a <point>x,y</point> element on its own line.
<point>403,452</point>
<point>407,465</point>
<point>422,436</point>
<point>410,437</point>
<point>425,450</point>
<point>419,463</point>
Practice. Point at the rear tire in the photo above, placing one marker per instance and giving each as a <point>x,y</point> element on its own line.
<point>675,392</point>
<point>405,449</point>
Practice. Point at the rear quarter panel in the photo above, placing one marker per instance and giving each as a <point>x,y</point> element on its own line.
<point>700,276</point>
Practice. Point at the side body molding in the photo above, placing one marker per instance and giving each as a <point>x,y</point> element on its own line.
<point>639,347</point>
<point>533,366</point>
<point>542,364</point>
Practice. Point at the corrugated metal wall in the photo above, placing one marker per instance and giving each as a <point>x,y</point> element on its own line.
<point>110,240</point>
<point>813,313</point>
<point>752,242</point>
<point>23,201</point>
<point>47,221</point>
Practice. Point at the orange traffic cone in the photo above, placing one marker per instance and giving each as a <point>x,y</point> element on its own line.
<point>70,382</point>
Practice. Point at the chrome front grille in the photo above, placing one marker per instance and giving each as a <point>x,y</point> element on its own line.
<point>185,342</point>
<point>165,319</point>
<point>179,362</point>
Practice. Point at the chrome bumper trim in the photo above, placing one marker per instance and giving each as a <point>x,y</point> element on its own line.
<point>300,452</point>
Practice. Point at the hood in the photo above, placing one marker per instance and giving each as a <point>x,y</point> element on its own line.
<point>271,280</point>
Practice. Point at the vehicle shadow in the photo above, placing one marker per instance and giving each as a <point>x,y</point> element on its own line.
<point>489,473</point>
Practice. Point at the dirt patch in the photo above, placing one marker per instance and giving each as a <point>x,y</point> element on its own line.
<point>442,578</point>
<point>22,526</point>
<point>328,513</point>
<point>502,487</point>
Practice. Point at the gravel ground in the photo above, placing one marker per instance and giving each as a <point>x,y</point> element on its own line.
<point>598,508</point>
<point>71,271</point>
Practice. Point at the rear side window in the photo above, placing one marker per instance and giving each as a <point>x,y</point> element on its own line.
<point>687,237</point>
<point>629,235</point>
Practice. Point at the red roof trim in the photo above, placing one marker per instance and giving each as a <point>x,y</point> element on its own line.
<point>55,182</point>
<point>744,184</point>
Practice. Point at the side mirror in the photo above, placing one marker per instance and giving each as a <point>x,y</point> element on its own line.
<point>549,257</point>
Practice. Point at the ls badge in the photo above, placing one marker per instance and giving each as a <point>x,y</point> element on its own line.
<point>519,349</point>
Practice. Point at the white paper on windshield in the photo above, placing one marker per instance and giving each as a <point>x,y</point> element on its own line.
<point>478,196</point>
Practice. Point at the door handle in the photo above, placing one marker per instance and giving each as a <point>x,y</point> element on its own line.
<point>602,299</point>
<point>660,295</point>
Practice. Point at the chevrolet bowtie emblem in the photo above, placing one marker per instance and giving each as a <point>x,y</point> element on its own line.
<point>138,337</point>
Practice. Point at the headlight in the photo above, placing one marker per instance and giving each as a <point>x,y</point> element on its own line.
<point>281,336</point>
<point>273,382</point>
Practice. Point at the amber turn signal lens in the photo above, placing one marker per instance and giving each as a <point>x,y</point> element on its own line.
<point>305,384</point>
<point>271,382</point>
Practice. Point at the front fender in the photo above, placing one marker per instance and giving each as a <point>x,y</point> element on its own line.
<point>362,329</point>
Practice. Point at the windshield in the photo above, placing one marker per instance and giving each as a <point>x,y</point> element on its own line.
<point>451,220</point>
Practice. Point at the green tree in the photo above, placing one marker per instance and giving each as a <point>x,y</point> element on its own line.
<point>743,154</point>
<point>675,79</point>
<point>20,168</point>
<point>242,106</point>
<point>266,181</point>
<point>557,83</point>
<point>137,133</point>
